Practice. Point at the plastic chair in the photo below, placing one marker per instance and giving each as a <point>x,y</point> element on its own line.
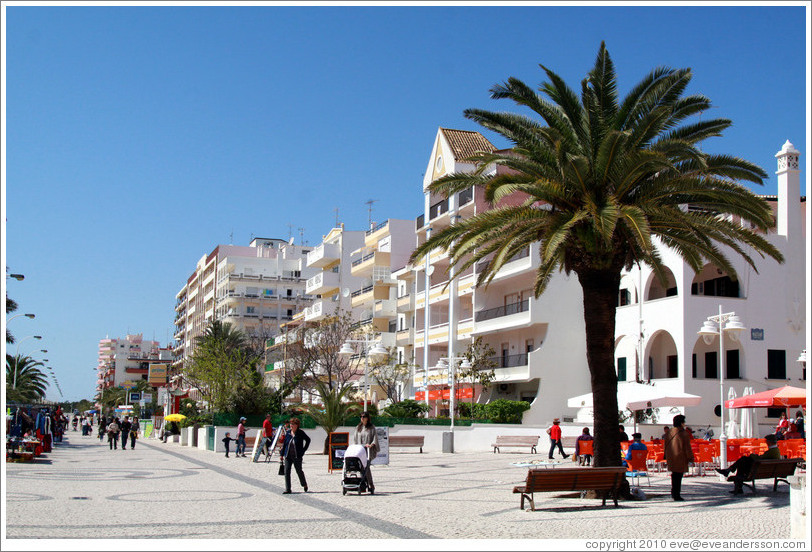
<point>733,453</point>
<point>704,459</point>
<point>637,463</point>
<point>584,449</point>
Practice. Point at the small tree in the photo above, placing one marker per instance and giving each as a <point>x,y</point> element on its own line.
<point>390,376</point>
<point>407,408</point>
<point>481,356</point>
<point>333,411</point>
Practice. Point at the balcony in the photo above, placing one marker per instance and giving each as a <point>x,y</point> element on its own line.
<point>514,315</point>
<point>322,283</point>
<point>320,309</point>
<point>419,222</point>
<point>364,266</point>
<point>376,233</point>
<point>324,255</point>
<point>403,337</point>
<point>509,361</point>
<point>361,296</point>
<point>465,197</point>
<point>438,209</point>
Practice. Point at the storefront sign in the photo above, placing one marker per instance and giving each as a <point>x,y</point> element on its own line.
<point>158,374</point>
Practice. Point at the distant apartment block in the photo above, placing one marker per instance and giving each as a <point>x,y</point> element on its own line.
<point>255,288</point>
<point>127,359</point>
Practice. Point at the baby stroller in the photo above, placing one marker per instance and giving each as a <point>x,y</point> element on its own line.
<point>354,472</point>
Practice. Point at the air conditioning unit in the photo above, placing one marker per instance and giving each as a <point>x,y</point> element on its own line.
<point>504,387</point>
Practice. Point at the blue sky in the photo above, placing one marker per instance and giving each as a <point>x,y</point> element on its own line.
<point>139,138</point>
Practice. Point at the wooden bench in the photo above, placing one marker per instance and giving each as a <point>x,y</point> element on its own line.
<point>407,441</point>
<point>515,441</point>
<point>777,470</point>
<point>607,480</point>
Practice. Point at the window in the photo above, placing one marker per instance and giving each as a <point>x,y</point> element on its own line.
<point>693,366</point>
<point>711,370</point>
<point>732,364</point>
<point>775,412</point>
<point>621,369</point>
<point>289,292</point>
<point>250,310</point>
<point>624,298</point>
<point>716,287</point>
<point>672,366</point>
<point>776,364</point>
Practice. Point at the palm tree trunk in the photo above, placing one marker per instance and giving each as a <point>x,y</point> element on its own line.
<point>600,289</point>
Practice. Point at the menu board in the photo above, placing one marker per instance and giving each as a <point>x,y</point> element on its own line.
<point>338,444</point>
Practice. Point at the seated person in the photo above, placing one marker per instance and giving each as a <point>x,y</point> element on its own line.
<point>793,432</point>
<point>636,444</point>
<point>742,465</point>
<point>622,436</point>
<point>583,458</point>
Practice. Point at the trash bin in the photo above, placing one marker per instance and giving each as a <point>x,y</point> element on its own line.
<point>195,427</point>
<point>448,441</point>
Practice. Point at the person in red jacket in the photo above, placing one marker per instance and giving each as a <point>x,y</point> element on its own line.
<point>555,439</point>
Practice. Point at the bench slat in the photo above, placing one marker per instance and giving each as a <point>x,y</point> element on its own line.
<point>571,479</point>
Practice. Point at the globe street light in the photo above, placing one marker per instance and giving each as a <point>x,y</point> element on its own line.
<point>442,365</point>
<point>377,352</point>
<point>713,326</point>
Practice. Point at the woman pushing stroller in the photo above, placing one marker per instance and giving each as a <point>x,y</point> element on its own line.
<point>367,435</point>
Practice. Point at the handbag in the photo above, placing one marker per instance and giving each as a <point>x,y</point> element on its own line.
<point>281,468</point>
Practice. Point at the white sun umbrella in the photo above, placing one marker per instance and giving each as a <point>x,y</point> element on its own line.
<point>732,425</point>
<point>746,426</point>
<point>659,399</point>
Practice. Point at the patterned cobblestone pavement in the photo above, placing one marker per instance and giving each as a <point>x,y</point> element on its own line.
<point>83,490</point>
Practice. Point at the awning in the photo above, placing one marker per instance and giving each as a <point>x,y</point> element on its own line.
<point>782,397</point>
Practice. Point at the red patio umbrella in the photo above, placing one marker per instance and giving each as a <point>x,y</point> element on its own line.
<point>783,396</point>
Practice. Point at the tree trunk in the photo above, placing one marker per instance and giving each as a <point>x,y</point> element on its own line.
<point>600,289</point>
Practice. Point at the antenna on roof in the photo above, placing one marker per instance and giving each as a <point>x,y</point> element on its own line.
<point>301,235</point>
<point>336,211</point>
<point>370,202</point>
<point>231,237</point>
<point>290,231</point>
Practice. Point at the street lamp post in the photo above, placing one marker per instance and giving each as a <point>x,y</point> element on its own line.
<point>17,356</point>
<point>28,315</point>
<point>713,326</point>
<point>377,351</point>
<point>450,363</point>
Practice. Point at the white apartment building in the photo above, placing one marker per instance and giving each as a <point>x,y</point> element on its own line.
<point>539,343</point>
<point>254,288</point>
<point>770,302</point>
<point>127,360</point>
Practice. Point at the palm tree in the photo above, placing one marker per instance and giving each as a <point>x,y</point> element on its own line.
<point>11,306</point>
<point>600,180</point>
<point>25,382</point>
<point>334,410</point>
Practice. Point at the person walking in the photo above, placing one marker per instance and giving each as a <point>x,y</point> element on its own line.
<point>677,453</point>
<point>112,433</point>
<point>134,429</point>
<point>366,435</point>
<point>294,446</point>
<point>241,438</point>
<point>102,428</point>
<point>555,439</point>
<point>126,426</point>
<point>267,435</point>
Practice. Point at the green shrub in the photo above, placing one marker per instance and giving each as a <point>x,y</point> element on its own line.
<point>467,410</point>
<point>407,408</point>
<point>505,411</point>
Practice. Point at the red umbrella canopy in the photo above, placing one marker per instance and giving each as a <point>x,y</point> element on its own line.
<point>783,396</point>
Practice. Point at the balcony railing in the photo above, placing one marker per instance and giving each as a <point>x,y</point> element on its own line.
<point>465,197</point>
<point>438,209</point>
<point>507,310</point>
<point>366,257</point>
<point>419,222</point>
<point>361,291</point>
<point>509,361</point>
<point>377,227</point>
<point>481,266</point>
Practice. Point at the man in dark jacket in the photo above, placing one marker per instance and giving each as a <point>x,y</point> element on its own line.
<point>293,449</point>
<point>742,465</point>
<point>126,425</point>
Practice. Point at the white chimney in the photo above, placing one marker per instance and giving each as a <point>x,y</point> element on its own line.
<point>788,218</point>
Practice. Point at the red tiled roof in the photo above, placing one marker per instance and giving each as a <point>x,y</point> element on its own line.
<point>465,143</point>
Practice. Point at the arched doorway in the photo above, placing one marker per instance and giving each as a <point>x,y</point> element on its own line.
<point>662,360</point>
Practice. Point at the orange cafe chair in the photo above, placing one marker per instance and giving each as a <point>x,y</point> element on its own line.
<point>637,466</point>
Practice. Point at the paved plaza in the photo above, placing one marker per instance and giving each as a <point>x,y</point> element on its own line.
<point>83,490</point>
